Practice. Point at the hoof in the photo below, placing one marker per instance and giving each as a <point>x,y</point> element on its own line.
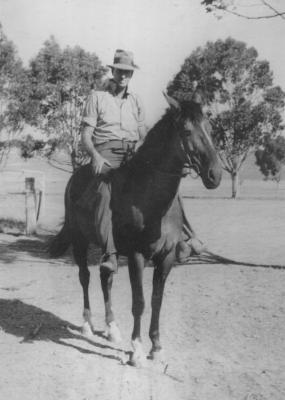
<point>157,355</point>
<point>137,357</point>
<point>158,358</point>
<point>87,327</point>
<point>113,333</point>
<point>86,330</point>
<point>137,360</point>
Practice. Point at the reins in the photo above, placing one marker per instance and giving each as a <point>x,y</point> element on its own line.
<point>129,152</point>
<point>192,167</point>
<point>189,165</point>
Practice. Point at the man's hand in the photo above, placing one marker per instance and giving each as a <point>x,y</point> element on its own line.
<point>138,144</point>
<point>97,162</point>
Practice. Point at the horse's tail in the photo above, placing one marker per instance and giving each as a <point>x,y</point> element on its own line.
<point>60,243</point>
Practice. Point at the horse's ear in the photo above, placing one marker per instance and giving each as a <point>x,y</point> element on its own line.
<point>171,101</point>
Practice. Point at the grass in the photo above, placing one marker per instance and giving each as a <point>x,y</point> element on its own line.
<point>12,226</point>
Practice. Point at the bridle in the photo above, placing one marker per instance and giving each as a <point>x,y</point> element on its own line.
<point>189,163</point>
<point>192,167</point>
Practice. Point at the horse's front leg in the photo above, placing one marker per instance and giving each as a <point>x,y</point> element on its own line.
<point>80,247</point>
<point>112,331</point>
<point>136,267</point>
<point>160,274</point>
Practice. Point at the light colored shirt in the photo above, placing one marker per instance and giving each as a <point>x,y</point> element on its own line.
<point>113,118</point>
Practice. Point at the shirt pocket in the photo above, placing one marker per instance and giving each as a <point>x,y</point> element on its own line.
<point>109,113</point>
<point>129,117</point>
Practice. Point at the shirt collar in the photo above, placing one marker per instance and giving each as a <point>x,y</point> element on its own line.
<point>111,88</point>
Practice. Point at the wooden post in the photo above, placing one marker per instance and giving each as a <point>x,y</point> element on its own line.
<point>41,199</point>
<point>31,210</point>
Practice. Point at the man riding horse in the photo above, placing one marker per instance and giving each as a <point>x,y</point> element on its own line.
<point>113,125</point>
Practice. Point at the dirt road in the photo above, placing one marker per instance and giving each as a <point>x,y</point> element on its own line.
<point>222,326</point>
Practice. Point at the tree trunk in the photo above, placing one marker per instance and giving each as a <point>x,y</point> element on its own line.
<point>234,176</point>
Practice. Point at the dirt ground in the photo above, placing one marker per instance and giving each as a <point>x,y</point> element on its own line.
<point>222,325</point>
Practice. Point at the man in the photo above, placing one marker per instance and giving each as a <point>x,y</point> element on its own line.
<point>113,121</point>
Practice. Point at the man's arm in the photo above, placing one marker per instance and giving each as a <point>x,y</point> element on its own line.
<point>141,121</point>
<point>142,132</point>
<point>97,161</point>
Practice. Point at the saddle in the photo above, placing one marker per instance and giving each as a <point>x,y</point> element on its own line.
<point>84,187</point>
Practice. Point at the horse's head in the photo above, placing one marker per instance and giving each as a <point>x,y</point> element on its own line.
<point>196,142</point>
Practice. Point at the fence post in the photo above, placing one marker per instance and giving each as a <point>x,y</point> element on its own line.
<point>41,202</point>
<point>31,210</point>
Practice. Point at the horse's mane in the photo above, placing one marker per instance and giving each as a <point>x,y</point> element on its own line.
<point>161,135</point>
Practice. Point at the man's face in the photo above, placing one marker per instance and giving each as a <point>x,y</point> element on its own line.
<point>122,77</point>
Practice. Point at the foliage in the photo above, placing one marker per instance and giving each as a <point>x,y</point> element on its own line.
<point>31,147</point>
<point>12,226</point>
<point>237,87</point>
<point>249,9</point>
<point>271,157</point>
<point>59,80</point>
<point>11,77</point>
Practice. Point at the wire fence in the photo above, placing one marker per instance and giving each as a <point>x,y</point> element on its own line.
<point>49,189</point>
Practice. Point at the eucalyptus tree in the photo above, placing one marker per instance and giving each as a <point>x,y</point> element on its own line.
<point>238,92</point>
<point>271,157</point>
<point>59,80</point>
<point>248,9</point>
<point>11,77</point>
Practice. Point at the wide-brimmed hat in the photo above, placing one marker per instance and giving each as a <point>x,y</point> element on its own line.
<point>124,60</point>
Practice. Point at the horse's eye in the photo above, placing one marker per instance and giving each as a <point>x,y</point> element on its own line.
<point>186,133</point>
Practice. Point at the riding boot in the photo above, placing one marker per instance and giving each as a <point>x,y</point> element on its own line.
<point>189,245</point>
<point>188,248</point>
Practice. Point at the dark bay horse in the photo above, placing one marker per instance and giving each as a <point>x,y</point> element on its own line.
<point>147,216</point>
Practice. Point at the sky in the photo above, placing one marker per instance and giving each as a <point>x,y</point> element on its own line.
<point>161,34</point>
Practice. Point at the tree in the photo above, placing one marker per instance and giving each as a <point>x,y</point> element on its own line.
<point>11,77</point>
<point>31,147</point>
<point>271,157</point>
<point>249,9</point>
<point>242,103</point>
<point>59,81</point>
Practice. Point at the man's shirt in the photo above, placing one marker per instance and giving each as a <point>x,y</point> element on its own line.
<point>111,117</point>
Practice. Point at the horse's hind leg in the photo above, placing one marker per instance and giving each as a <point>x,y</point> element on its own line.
<point>112,331</point>
<point>80,248</point>
<point>159,278</point>
<point>136,267</point>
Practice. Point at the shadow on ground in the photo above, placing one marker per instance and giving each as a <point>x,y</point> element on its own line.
<point>209,258</point>
<point>37,247</point>
<point>32,323</point>
<point>21,247</point>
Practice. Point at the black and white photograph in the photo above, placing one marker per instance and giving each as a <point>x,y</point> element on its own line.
<point>142,200</point>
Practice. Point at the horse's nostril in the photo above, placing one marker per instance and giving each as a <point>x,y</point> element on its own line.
<point>211,175</point>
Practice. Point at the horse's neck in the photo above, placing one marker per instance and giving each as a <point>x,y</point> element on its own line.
<point>158,166</point>
<point>161,150</point>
